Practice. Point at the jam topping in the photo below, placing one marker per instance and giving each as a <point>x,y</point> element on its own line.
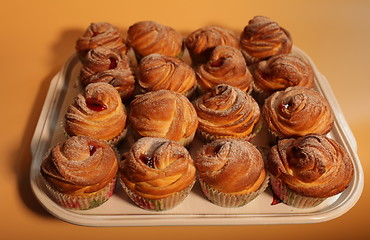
<point>218,62</point>
<point>275,199</point>
<point>95,105</point>
<point>93,146</point>
<point>147,160</point>
<point>113,63</point>
<point>92,149</point>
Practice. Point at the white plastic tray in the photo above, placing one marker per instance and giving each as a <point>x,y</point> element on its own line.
<point>195,210</point>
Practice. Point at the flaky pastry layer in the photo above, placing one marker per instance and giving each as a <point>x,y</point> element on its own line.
<point>313,165</point>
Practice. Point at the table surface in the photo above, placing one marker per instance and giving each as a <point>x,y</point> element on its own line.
<point>37,37</point>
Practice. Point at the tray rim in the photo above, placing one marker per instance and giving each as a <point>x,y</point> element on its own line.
<point>193,219</point>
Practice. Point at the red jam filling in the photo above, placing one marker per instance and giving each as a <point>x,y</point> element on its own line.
<point>113,63</point>
<point>92,149</point>
<point>147,160</point>
<point>95,105</point>
<point>218,62</point>
<point>275,199</point>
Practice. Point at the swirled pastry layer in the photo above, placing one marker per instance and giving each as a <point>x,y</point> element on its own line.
<point>312,165</point>
<point>163,113</point>
<point>230,166</point>
<point>226,65</point>
<point>110,66</point>
<point>282,71</point>
<point>297,111</point>
<point>227,112</point>
<point>146,37</point>
<point>155,168</point>
<point>100,34</point>
<point>263,38</point>
<point>80,165</point>
<point>98,113</point>
<point>158,72</point>
<point>201,42</point>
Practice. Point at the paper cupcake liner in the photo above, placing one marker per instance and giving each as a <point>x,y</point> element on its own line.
<point>273,138</point>
<point>259,95</point>
<point>115,141</point>
<point>291,198</point>
<point>248,58</point>
<point>82,202</point>
<point>158,204</point>
<point>191,93</point>
<point>186,141</point>
<point>230,200</point>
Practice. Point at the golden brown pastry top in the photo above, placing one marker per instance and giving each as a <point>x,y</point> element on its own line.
<point>80,165</point>
<point>98,113</point>
<point>201,42</point>
<point>226,65</point>
<point>110,66</point>
<point>100,34</point>
<point>297,111</point>
<point>230,166</point>
<point>227,112</point>
<point>146,37</point>
<point>158,71</point>
<point>282,71</point>
<point>312,165</point>
<point>163,113</point>
<point>263,38</point>
<point>155,168</point>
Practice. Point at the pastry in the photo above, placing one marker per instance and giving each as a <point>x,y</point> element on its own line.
<point>226,65</point>
<point>146,37</point>
<point>98,113</point>
<point>109,66</point>
<point>80,172</point>
<point>263,38</point>
<point>156,72</point>
<point>278,73</point>
<point>157,173</point>
<point>231,172</point>
<point>227,112</point>
<point>201,42</point>
<point>165,114</point>
<point>100,34</point>
<point>297,111</point>
<point>307,170</point>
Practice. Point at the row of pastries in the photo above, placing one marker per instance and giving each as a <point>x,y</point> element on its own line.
<point>157,103</point>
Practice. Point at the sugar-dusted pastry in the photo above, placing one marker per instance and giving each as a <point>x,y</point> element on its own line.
<point>226,65</point>
<point>157,173</point>
<point>156,72</point>
<point>100,34</point>
<point>110,66</point>
<point>278,73</point>
<point>147,37</point>
<point>227,112</point>
<point>201,42</point>
<point>297,111</point>
<point>98,112</point>
<point>307,170</point>
<point>165,114</point>
<point>80,172</point>
<point>263,38</point>
<point>231,172</point>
